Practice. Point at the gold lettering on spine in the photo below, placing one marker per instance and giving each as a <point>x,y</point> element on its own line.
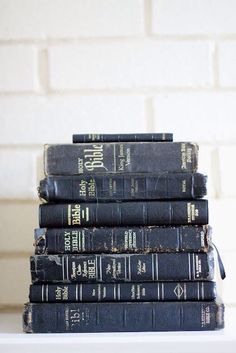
<point>94,157</point>
<point>192,212</point>
<point>76,215</point>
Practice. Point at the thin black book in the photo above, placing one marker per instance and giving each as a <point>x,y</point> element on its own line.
<point>138,213</point>
<point>120,157</point>
<point>143,137</point>
<point>122,239</point>
<point>108,268</point>
<point>120,187</point>
<point>126,317</point>
<point>122,292</point>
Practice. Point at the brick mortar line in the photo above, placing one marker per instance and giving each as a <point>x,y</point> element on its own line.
<point>142,91</point>
<point>11,308</point>
<point>144,36</point>
<point>33,202</point>
<point>147,17</point>
<point>215,66</point>
<point>16,254</point>
<point>149,113</point>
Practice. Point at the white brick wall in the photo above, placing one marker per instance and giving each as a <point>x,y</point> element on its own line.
<point>18,68</point>
<point>131,64</point>
<point>191,17</point>
<point>227,69</point>
<point>113,66</point>
<point>43,19</point>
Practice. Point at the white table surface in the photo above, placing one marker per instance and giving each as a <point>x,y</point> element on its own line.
<point>13,340</point>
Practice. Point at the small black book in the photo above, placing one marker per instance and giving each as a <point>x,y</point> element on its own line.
<point>122,292</point>
<point>122,239</point>
<point>120,157</point>
<point>122,187</point>
<point>107,268</point>
<point>144,137</point>
<point>126,317</point>
<point>124,213</point>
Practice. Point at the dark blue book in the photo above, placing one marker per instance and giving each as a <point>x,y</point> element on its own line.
<point>142,137</point>
<point>127,213</point>
<point>122,239</point>
<point>122,317</point>
<point>122,292</point>
<point>120,157</point>
<point>122,187</point>
<point>107,268</point>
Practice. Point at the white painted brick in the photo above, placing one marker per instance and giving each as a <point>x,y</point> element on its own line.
<point>38,120</point>
<point>18,68</point>
<point>222,219</point>
<point>15,280</point>
<point>18,220</point>
<point>199,116</point>
<point>206,167</point>
<point>227,155</point>
<point>43,19</point>
<point>227,58</point>
<point>18,173</point>
<point>139,63</point>
<point>187,17</point>
<point>229,283</point>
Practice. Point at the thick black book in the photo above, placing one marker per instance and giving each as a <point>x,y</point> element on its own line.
<point>145,137</point>
<point>122,239</point>
<point>122,292</point>
<point>126,316</point>
<point>109,268</point>
<point>120,157</point>
<point>124,213</point>
<point>120,187</point>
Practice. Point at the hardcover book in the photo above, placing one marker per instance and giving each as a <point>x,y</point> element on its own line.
<point>124,213</point>
<point>122,267</point>
<point>120,187</point>
<point>158,137</point>
<point>118,317</point>
<point>122,292</point>
<point>122,239</point>
<point>118,157</point>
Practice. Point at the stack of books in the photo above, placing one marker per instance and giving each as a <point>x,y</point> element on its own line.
<point>124,242</point>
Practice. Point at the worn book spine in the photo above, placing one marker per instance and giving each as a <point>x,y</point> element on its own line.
<point>120,157</point>
<point>106,292</point>
<point>109,268</point>
<point>126,316</point>
<point>122,239</point>
<point>119,187</point>
<point>124,213</point>
<point>157,137</point>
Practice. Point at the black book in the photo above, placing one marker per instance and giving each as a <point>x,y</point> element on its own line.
<point>122,292</point>
<point>126,316</point>
<point>123,213</point>
<point>107,268</point>
<point>146,137</point>
<point>118,157</point>
<point>122,187</point>
<point>122,239</point>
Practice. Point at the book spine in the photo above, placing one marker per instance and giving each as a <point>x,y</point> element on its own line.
<point>95,188</point>
<point>109,268</point>
<point>122,239</point>
<point>124,213</point>
<point>120,157</point>
<point>149,291</point>
<point>127,317</point>
<point>86,138</point>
